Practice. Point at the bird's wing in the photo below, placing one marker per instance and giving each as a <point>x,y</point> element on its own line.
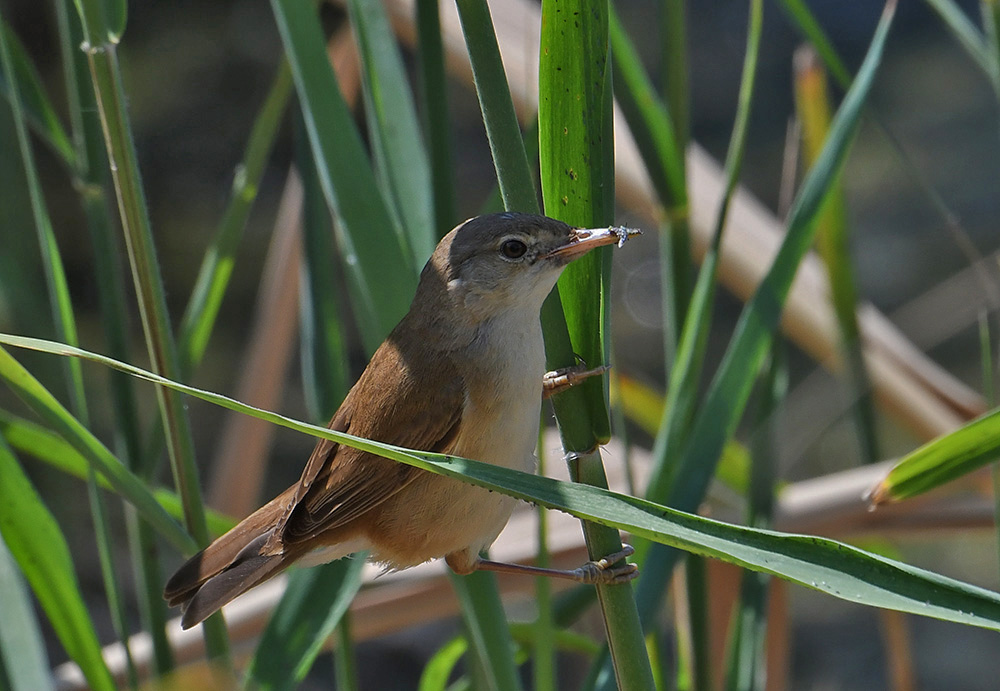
<point>422,410</point>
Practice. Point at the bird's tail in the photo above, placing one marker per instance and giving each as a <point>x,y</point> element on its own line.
<point>250,569</point>
<point>228,567</point>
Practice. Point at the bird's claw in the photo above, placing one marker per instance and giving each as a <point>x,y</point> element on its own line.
<point>604,572</point>
<point>559,380</point>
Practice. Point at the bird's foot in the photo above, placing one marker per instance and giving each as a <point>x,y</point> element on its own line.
<point>559,380</point>
<point>604,572</point>
<point>597,572</point>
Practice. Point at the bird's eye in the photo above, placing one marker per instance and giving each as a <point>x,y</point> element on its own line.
<point>513,249</point>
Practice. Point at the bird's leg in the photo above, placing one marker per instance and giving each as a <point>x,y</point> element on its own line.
<point>559,380</point>
<point>601,571</point>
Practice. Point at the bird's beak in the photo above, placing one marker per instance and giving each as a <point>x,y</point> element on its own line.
<point>582,240</point>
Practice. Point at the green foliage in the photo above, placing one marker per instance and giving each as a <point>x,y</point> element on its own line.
<point>384,197</point>
<point>438,669</point>
<point>482,613</point>
<point>576,154</point>
<point>220,257</point>
<point>393,128</point>
<point>22,652</point>
<point>52,448</point>
<point>576,163</point>
<point>943,460</point>
<point>38,109</point>
<point>37,544</point>
<point>832,567</point>
<point>382,276</point>
<point>832,242</point>
<point>315,601</point>
<point>126,484</point>
<point>723,405</point>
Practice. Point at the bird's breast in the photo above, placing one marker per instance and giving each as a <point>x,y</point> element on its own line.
<point>502,372</point>
<point>504,390</point>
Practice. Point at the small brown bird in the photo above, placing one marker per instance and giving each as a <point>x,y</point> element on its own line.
<point>461,374</point>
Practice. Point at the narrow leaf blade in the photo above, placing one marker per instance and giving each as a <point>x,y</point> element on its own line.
<point>21,647</point>
<point>482,611</point>
<point>101,459</point>
<point>576,139</point>
<point>506,145</point>
<point>219,261</point>
<point>48,447</point>
<point>728,392</point>
<point>826,565</point>
<point>394,129</point>
<point>38,546</point>
<point>382,275</point>
<point>38,108</point>
<point>943,460</point>
<point>310,608</point>
<point>966,33</point>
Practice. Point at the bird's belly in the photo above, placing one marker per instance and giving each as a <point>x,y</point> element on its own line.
<point>435,516</point>
<point>499,426</point>
<point>461,517</point>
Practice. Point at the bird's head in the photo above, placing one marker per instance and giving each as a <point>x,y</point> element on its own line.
<point>497,262</point>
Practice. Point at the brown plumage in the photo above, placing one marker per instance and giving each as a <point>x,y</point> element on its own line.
<point>460,374</point>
